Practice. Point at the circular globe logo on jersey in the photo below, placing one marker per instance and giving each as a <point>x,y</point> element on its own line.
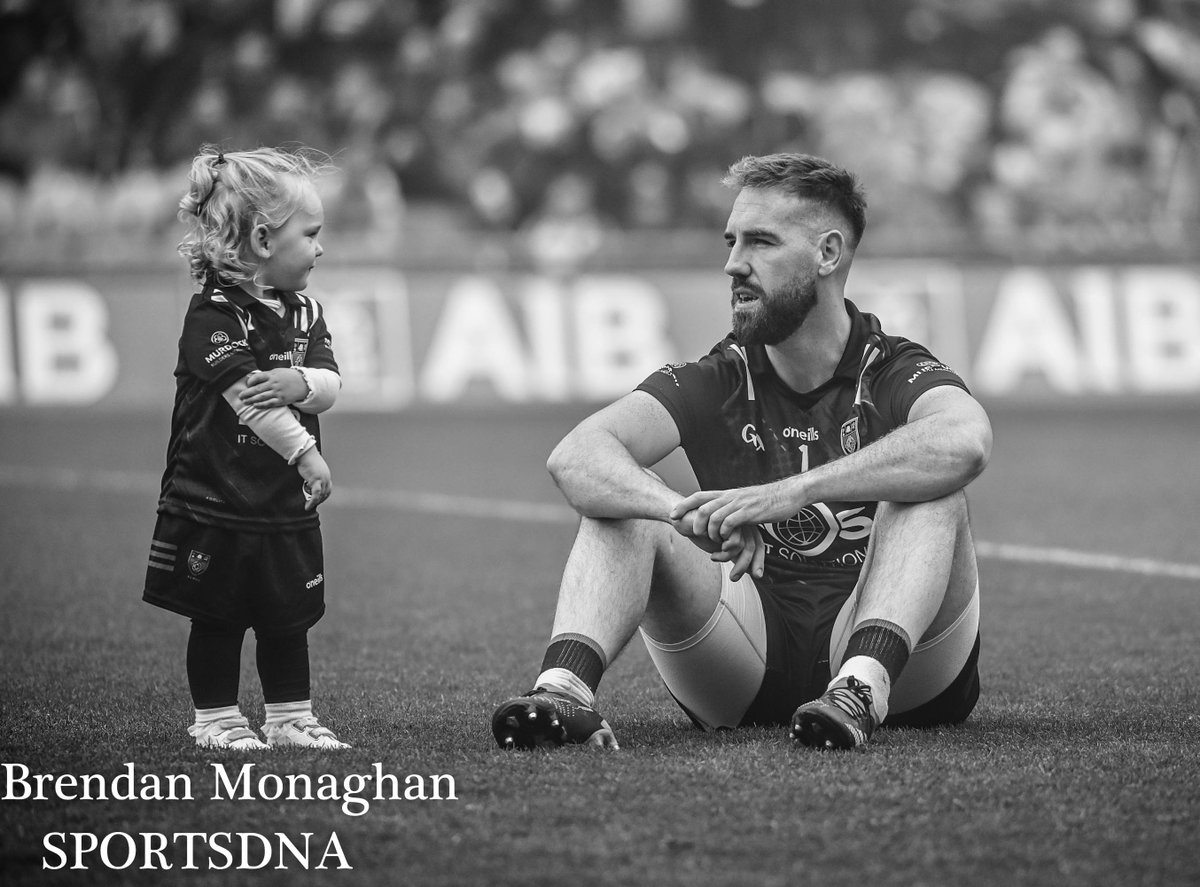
<point>809,532</point>
<point>220,337</point>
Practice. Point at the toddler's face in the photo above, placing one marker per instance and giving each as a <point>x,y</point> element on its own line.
<point>295,248</point>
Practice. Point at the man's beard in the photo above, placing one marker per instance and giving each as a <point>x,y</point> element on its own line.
<point>779,314</point>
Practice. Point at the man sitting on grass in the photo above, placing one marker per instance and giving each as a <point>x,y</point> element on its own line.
<point>824,577</point>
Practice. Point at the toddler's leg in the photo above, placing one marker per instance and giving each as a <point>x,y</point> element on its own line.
<point>214,656</point>
<point>283,668</point>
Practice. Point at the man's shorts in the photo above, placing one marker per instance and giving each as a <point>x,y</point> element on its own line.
<point>762,654</point>
<point>271,582</point>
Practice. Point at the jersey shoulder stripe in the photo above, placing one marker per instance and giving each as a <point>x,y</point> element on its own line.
<point>308,312</point>
<point>741,352</point>
<point>871,353</point>
<point>217,297</point>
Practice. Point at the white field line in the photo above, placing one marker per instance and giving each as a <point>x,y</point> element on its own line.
<point>144,483</point>
<point>1065,557</point>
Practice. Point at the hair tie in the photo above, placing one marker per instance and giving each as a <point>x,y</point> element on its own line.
<point>220,161</point>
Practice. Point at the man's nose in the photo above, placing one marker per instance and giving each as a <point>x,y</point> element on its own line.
<point>735,265</point>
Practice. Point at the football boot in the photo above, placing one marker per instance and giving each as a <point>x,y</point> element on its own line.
<point>843,716</point>
<point>547,719</point>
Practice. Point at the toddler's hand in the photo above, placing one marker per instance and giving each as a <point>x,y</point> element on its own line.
<point>318,483</point>
<point>274,388</point>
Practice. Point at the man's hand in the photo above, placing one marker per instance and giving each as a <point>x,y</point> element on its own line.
<point>318,483</point>
<point>719,514</point>
<point>744,548</point>
<point>275,388</point>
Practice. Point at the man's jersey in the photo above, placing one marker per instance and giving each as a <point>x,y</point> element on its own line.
<point>218,471</point>
<point>741,425</point>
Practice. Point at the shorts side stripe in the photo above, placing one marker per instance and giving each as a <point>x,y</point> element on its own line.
<point>162,555</point>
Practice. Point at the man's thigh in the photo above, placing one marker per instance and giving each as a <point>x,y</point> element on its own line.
<point>685,586</point>
<point>715,672</point>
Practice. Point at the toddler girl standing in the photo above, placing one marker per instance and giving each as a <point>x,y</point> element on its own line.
<point>237,543</point>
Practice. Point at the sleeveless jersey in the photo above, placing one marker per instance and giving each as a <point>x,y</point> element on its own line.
<point>741,425</point>
<point>218,472</point>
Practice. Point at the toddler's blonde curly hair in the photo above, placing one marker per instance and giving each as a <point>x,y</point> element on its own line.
<point>230,193</point>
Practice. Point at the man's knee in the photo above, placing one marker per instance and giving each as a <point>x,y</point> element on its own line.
<point>638,535</point>
<point>948,509</point>
<point>627,535</point>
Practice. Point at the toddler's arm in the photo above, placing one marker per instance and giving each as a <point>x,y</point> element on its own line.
<point>312,390</point>
<point>275,426</point>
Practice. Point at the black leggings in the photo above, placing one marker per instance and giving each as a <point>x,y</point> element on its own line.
<point>214,665</point>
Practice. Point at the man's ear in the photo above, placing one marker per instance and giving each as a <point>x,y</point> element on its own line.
<point>260,240</point>
<point>833,251</point>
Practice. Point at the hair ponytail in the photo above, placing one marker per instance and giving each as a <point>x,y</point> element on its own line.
<point>229,194</point>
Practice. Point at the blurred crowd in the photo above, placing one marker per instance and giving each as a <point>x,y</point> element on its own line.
<point>562,131</point>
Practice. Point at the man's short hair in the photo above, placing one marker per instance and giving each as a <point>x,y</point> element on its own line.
<point>806,177</point>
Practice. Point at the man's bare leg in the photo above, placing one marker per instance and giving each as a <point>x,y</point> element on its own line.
<point>621,574</point>
<point>919,578</point>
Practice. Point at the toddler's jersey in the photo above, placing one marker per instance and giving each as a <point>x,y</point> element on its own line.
<point>741,425</point>
<point>218,472</point>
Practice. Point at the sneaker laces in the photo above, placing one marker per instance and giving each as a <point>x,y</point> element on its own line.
<point>854,699</point>
<point>563,703</point>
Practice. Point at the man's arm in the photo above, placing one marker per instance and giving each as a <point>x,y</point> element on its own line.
<point>945,444</point>
<point>601,465</point>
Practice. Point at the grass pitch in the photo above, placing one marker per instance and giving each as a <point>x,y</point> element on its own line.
<point>1079,767</point>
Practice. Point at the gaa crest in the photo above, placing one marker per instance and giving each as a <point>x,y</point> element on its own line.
<point>850,435</point>
<point>198,562</point>
<point>299,349</point>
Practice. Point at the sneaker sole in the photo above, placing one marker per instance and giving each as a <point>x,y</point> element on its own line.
<point>522,723</point>
<point>818,730</point>
<point>288,742</point>
<point>230,747</point>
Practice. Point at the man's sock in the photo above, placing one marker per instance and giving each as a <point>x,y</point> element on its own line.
<point>876,654</point>
<point>573,665</point>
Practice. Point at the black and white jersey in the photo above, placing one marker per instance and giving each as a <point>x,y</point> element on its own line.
<point>741,425</point>
<point>218,472</point>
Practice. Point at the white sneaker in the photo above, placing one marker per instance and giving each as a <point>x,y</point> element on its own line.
<point>232,732</point>
<point>305,732</point>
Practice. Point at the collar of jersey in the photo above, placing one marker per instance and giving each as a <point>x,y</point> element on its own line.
<point>244,300</point>
<point>848,366</point>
